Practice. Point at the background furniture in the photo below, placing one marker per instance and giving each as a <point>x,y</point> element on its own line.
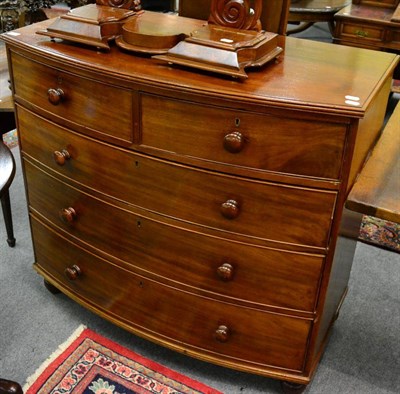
<point>7,120</point>
<point>17,13</point>
<point>10,387</point>
<point>7,172</point>
<point>10,14</point>
<point>370,25</point>
<point>232,193</point>
<point>377,189</point>
<point>307,12</point>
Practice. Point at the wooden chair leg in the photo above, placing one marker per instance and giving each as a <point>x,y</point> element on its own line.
<point>6,206</point>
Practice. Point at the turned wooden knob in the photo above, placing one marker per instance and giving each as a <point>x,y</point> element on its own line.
<point>68,215</point>
<point>60,157</point>
<point>55,96</point>
<point>73,272</point>
<point>222,333</point>
<point>234,142</point>
<point>230,209</point>
<point>225,272</point>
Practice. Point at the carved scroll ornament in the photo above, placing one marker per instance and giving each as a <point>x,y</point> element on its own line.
<point>239,14</point>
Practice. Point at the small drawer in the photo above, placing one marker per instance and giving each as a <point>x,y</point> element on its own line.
<point>210,264</point>
<point>175,318</point>
<point>102,110</point>
<point>264,210</point>
<point>245,139</point>
<point>363,32</point>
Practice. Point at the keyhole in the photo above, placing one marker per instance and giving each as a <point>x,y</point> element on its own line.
<point>237,122</point>
<point>139,223</point>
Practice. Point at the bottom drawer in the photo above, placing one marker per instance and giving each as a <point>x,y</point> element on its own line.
<point>218,331</point>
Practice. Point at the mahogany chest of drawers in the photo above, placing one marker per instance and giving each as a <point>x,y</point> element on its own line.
<point>200,212</point>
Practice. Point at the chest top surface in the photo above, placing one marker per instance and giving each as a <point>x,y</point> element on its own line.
<point>321,77</point>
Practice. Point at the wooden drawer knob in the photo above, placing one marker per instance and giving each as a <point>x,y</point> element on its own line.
<point>73,272</point>
<point>68,215</point>
<point>225,272</point>
<point>222,333</point>
<point>230,209</point>
<point>234,142</point>
<point>60,157</point>
<point>55,96</point>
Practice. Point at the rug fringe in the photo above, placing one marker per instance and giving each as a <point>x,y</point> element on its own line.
<point>31,379</point>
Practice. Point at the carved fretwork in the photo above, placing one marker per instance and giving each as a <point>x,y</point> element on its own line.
<point>239,14</point>
<point>127,4</point>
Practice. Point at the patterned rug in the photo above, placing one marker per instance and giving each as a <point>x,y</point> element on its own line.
<point>374,231</point>
<point>91,364</point>
<point>382,233</point>
<point>11,138</point>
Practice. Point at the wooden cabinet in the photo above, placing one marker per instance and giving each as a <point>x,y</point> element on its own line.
<point>200,212</point>
<point>369,24</point>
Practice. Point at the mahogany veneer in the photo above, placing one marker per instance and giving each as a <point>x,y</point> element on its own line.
<point>200,212</point>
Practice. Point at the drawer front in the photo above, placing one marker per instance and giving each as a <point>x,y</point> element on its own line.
<point>310,148</point>
<point>257,209</point>
<point>102,110</point>
<point>211,264</point>
<point>363,32</point>
<point>172,316</point>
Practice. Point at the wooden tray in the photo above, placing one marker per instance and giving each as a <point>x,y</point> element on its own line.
<point>224,50</point>
<point>91,24</point>
<point>155,33</point>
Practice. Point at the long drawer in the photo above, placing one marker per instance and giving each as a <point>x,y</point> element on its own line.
<point>241,138</point>
<point>363,32</point>
<point>208,264</point>
<point>102,110</point>
<point>216,329</point>
<point>270,211</point>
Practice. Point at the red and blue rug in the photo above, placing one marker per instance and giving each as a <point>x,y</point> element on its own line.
<point>91,364</point>
<point>379,232</point>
